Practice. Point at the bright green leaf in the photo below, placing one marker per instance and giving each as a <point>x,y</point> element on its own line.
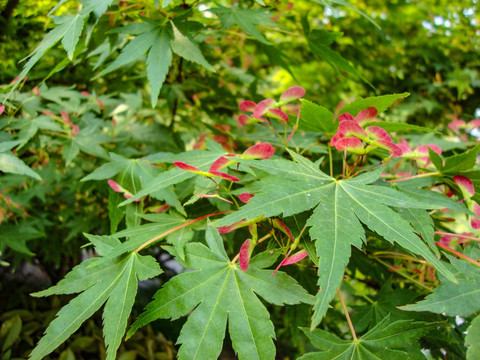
<point>186,48</point>
<point>219,291</point>
<point>472,339</point>
<point>381,103</point>
<point>246,19</point>
<point>316,118</point>
<point>159,60</point>
<point>113,282</point>
<point>399,127</point>
<point>387,340</point>
<point>11,164</point>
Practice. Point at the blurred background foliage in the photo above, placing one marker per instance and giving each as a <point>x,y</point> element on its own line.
<point>336,52</point>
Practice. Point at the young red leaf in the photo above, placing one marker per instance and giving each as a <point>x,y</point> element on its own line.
<point>291,259</point>
<point>159,209</point>
<point>247,106</point>
<point>475,222</point>
<point>351,144</point>
<point>224,176</point>
<point>294,258</point>
<point>245,197</point>
<point>115,187</point>
<point>424,149</point>
<point>351,128</point>
<point>243,119</point>
<point>394,150</point>
<point>230,228</point>
<point>377,133</point>
<point>223,127</point>
<point>66,118</point>
<point>128,195</point>
<point>404,146</point>
<point>456,124</point>
<point>48,113</point>
<point>220,163</point>
<point>262,107</point>
<point>259,151</point>
<point>278,114</point>
<point>366,115</point>
<point>295,92</point>
<point>345,117</point>
<point>465,185</point>
<point>474,123</point>
<point>244,255</point>
<point>75,130</point>
<point>335,138</point>
<point>214,196</point>
<point>186,167</point>
<point>277,223</point>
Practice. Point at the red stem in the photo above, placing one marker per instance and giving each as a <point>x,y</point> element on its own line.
<point>177,228</point>
<point>456,235</point>
<point>459,254</point>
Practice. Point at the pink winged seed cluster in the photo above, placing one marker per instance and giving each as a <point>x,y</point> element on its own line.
<point>468,191</point>
<point>258,151</point>
<point>352,136</point>
<point>268,107</point>
<point>420,153</point>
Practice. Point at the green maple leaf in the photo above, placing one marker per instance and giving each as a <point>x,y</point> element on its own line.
<point>68,30</point>
<point>246,19</point>
<point>472,340</point>
<point>387,340</point>
<point>218,291</point>
<point>9,163</point>
<point>462,298</point>
<point>156,41</point>
<point>113,282</point>
<point>133,174</point>
<point>340,209</point>
<point>159,41</point>
<point>199,158</point>
<point>383,304</point>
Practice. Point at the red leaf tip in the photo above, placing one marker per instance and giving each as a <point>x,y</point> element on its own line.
<point>185,166</point>
<point>465,185</point>
<point>295,92</point>
<point>259,151</point>
<point>245,197</point>
<point>114,185</point>
<point>244,255</point>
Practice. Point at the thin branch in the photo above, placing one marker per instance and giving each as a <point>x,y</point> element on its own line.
<point>414,177</point>
<point>459,254</point>
<point>152,240</point>
<point>391,268</point>
<point>347,316</point>
<point>457,235</point>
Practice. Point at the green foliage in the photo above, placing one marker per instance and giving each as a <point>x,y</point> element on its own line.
<point>472,339</point>
<point>165,141</point>
<point>454,299</point>
<point>219,291</point>
<point>387,340</point>
<point>113,283</point>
